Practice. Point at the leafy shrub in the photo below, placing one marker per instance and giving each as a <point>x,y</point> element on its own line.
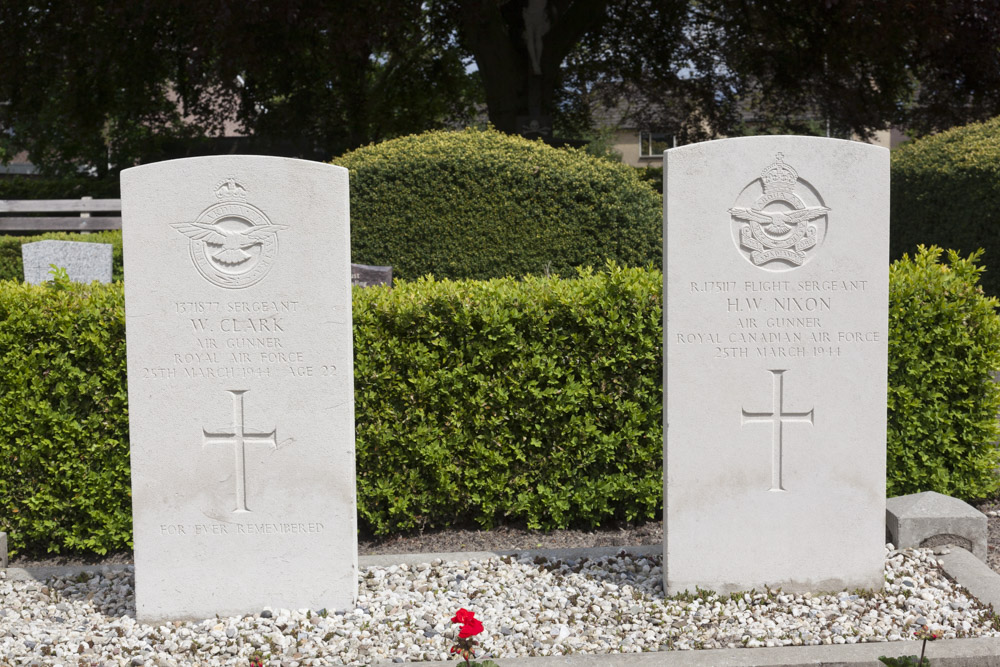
<point>944,343</point>
<point>11,267</point>
<point>482,204</point>
<point>535,401</point>
<point>946,192</point>
<point>71,187</point>
<point>64,458</point>
<point>651,175</point>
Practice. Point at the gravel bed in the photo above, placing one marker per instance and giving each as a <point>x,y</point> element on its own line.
<point>529,607</point>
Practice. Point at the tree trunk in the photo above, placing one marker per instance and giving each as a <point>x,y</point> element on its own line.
<point>519,47</point>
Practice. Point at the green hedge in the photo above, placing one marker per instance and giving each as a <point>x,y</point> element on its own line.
<point>44,187</point>
<point>944,339</point>
<point>64,457</point>
<point>651,175</point>
<point>535,402</point>
<point>482,204</point>
<point>11,267</point>
<point>946,192</point>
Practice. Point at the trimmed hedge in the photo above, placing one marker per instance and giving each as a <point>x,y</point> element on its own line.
<point>64,453</point>
<point>946,192</point>
<point>45,187</point>
<point>651,175</point>
<point>535,402</point>
<point>482,204</point>
<point>944,341</point>
<point>11,267</point>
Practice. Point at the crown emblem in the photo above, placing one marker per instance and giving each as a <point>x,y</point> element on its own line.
<point>230,190</point>
<point>779,177</point>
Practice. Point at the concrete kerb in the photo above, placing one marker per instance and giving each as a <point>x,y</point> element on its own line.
<point>975,575</point>
<point>959,564</point>
<point>945,653</point>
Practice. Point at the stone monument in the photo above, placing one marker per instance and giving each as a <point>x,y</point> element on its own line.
<point>84,262</point>
<point>240,381</point>
<point>776,267</point>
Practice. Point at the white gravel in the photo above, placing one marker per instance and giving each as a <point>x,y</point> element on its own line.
<point>528,607</point>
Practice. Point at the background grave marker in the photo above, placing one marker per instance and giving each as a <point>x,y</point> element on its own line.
<point>84,262</point>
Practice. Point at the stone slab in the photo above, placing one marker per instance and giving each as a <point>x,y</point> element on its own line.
<point>84,262</point>
<point>365,275</point>
<point>930,518</point>
<point>775,353</point>
<point>240,381</point>
<point>4,554</point>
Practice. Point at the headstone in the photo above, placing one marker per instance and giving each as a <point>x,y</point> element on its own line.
<point>84,262</point>
<point>240,381</point>
<point>776,267</point>
<point>364,275</point>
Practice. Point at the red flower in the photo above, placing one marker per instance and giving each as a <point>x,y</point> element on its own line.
<point>463,616</point>
<point>469,628</point>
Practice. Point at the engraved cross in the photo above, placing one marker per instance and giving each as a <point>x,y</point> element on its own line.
<point>777,418</point>
<point>239,439</point>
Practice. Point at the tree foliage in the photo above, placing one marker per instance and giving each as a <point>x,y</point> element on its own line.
<point>78,84</point>
<point>106,82</point>
<point>708,67</point>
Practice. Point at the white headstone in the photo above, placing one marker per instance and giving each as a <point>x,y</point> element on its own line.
<point>240,381</point>
<point>776,262</point>
<point>84,262</point>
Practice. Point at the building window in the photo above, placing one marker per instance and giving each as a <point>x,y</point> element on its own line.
<point>652,144</point>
